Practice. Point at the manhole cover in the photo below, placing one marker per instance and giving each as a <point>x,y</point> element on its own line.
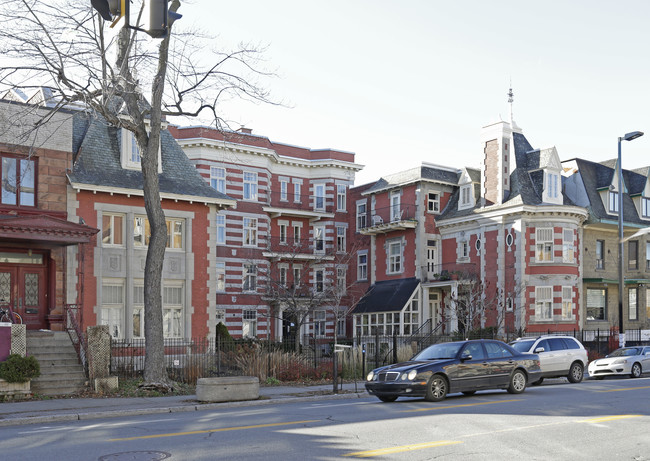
<point>135,456</point>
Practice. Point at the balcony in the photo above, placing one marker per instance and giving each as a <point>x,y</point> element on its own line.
<point>289,248</point>
<point>449,271</point>
<point>388,219</point>
<point>301,206</point>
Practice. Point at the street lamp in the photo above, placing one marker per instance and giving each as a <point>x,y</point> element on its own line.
<point>627,137</point>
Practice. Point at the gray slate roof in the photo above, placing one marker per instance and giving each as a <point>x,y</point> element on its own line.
<point>413,175</point>
<point>98,162</point>
<point>387,296</point>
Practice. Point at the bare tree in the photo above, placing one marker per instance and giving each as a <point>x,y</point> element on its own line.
<point>132,81</point>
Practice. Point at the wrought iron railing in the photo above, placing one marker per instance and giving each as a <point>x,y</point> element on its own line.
<point>387,215</point>
<point>73,327</point>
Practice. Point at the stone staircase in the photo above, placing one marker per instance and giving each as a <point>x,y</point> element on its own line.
<point>61,371</point>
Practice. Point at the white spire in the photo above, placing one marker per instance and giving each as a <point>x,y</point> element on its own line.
<point>511,98</point>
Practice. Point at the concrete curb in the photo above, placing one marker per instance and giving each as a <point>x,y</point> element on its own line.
<point>18,421</point>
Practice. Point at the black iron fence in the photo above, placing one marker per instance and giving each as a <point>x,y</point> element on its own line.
<point>190,359</point>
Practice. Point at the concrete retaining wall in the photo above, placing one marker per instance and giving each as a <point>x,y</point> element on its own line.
<point>228,389</point>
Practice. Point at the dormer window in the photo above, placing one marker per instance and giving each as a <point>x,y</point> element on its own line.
<point>552,184</point>
<point>465,195</point>
<point>645,207</point>
<point>130,152</point>
<point>613,201</point>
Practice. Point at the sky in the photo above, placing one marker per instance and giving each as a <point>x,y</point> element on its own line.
<point>404,82</point>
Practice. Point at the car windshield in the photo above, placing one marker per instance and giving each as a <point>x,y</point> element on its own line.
<point>626,352</point>
<point>439,351</point>
<point>522,346</point>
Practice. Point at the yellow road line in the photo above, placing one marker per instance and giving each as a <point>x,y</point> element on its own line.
<point>460,406</point>
<point>626,389</point>
<point>207,431</point>
<point>608,418</point>
<point>403,448</point>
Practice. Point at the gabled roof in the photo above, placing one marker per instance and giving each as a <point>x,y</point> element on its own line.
<point>97,165</point>
<point>387,296</point>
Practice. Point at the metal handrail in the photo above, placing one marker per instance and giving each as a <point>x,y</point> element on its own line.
<point>73,327</point>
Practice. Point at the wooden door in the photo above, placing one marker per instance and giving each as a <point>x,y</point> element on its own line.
<point>25,288</point>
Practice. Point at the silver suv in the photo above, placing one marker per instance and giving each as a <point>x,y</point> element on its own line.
<point>558,356</point>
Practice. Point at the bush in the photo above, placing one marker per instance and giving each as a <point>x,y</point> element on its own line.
<point>222,332</point>
<point>19,369</point>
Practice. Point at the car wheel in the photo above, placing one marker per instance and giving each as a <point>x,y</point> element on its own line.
<point>576,373</point>
<point>436,388</point>
<point>636,370</point>
<point>469,392</point>
<point>517,382</point>
<point>538,382</point>
<point>387,398</point>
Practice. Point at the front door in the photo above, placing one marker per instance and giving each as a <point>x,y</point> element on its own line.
<point>24,288</point>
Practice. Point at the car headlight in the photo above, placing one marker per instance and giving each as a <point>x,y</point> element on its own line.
<point>412,374</point>
<point>370,376</point>
<point>619,361</point>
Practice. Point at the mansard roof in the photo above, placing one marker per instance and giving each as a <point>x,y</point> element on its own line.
<point>425,172</point>
<point>97,164</point>
<point>387,296</point>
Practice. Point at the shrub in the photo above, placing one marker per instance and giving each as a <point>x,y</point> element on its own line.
<point>222,332</point>
<point>19,369</point>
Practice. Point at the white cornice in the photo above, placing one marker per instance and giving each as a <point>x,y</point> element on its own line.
<point>139,193</point>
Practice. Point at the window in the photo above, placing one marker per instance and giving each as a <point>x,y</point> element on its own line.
<point>250,277</point>
<point>552,182</point>
<point>319,239</point>
<point>130,152</point>
<point>141,231</point>
<point>172,311</point>
<point>340,239</point>
<point>340,327</point>
<point>568,247</point>
<point>394,257</point>
<point>221,276</point>
<point>250,185</point>
<point>645,207</point>
<point>543,303</point>
<point>361,216</point>
<point>220,316</point>
<point>112,229</point>
<point>250,232</point>
<point>596,303</point>
<point>465,195</point>
<point>296,235</point>
<point>362,266</point>
<point>509,240</point>
<point>175,233</point>
<point>113,307</point>
<point>221,229</point>
<point>296,192</point>
<point>613,202</point>
<point>600,254</point>
<point>319,275</point>
<point>319,197</point>
<point>433,204</point>
<point>340,197</point>
<point>283,276</point>
<point>647,303</point>
<point>412,316</point>
<point>296,276</point>
<point>395,211</point>
<point>283,190</point>
<point>283,233</point>
<point>463,250</point>
<point>647,255</point>
<point>544,244</point>
<point>249,323</point>
<point>218,179</point>
<point>567,303</point>
<point>320,317</point>
<point>341,280</point>
<point>18,181</point>
<point>632,310</point>
<point>633,254</point>
<point>138,311</point>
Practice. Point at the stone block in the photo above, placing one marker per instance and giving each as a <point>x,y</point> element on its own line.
<point>228,389</point>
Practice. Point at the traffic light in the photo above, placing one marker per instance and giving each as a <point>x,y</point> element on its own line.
<point>113,10</point>
<point>160,18</point>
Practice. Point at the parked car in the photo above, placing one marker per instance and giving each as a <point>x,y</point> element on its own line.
<point>558,355</point>
<point>630,361</point>
<point>446,368</point>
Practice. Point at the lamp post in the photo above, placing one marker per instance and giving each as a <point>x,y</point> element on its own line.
<point>621,331</point>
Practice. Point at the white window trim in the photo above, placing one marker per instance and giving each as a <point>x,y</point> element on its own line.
<point>317,196</point>
<point>543,238</point>
<point>567,303</point>
<point>363,276</point>
<point>568,246</point>
<point>395,261</point>
<point>341,197</point>
<point>544,303</point>
<point>249,232</point>
<point>221,226</point>
<point>218,178</point>
<point>253,185</point>
<point>112,217</point>
<point>127,143</point>
<point>434,201</point>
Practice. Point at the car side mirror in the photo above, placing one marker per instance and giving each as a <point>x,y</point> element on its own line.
<point>465,357</point>
<point>539,349</point>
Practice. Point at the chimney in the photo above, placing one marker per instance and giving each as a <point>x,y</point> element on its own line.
<point>244,130</point>
<point>496,140</point>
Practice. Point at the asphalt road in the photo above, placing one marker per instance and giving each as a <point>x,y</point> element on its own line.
<point>594,420</point>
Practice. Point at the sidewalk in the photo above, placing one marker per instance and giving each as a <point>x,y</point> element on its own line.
<point>47,411</point>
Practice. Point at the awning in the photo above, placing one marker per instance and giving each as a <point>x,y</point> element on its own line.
<point>387,296</point>
<point>43,229</point>
<point>615,281</point>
